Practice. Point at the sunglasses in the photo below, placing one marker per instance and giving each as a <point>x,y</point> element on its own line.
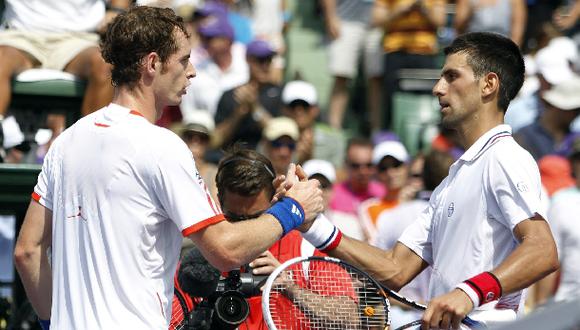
<point>356,166</point>
<point>241,217</point>
<point>279,144</point>
<point>385,166</point>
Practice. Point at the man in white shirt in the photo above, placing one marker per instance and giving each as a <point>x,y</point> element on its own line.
<point>116,195</point>
<point>484,232</point>
<point>59,35</point>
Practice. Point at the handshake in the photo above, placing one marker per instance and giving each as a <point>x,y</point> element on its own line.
<point>297,201</point>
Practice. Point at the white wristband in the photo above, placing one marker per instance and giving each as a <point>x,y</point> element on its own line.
<point>323,234</point>
<point>470,292</point>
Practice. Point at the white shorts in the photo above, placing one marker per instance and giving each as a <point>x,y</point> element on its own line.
<point>355,39</point>
<point>51,50</point>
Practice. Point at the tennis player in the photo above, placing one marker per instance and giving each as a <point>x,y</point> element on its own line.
<point>484,231</point>
<point>116,193</point>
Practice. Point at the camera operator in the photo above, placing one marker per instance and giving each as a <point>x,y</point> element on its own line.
<point>245,190</point>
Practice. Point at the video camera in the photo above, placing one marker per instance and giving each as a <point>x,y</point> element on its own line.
<point>223,304</point>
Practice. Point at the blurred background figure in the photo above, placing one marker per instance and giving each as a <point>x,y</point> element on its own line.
<point>57,35</point>
<point>348,27</point>
<point>506,17</point>
<point>244,110</point>
<point>317,139</point>
<point>279,142</point>
<point>358,186</point>
<point>197,131</point>
<point>392,161</point>
<point>563,217</point>
<point>392,222</point>
<point>561,107</point>
<point>410,40</point>
<point>224,68</point>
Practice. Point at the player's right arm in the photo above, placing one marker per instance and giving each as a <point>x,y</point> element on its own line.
<point>394,268</point>
<point>31,260</point>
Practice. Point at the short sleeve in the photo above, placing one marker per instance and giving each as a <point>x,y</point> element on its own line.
<point>44,186</point>
<point>513,188</point>
<point>181,191</point>
<point>418,236</point>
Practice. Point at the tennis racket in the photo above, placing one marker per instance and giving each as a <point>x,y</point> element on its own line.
<point>328,293</point>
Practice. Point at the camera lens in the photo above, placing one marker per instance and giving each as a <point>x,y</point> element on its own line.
<point>232,308</point>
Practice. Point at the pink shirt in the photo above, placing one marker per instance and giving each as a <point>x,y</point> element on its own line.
<point>346,200</point>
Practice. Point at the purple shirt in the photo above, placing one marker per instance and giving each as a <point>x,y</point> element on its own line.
<point>346,200</point>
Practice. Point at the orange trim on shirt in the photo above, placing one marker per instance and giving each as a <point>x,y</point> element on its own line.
<point>202,224</point>
<point>36,196</point>
<point>136,113</point>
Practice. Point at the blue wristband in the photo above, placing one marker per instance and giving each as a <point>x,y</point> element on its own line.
<point>44,324</point>
<point>288,212</point>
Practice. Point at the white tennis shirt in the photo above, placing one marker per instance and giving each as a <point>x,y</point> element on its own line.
<point>122,193</point>
<point>468,226</point>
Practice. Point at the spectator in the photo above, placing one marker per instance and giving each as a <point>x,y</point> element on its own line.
<point>13,147</point>
<point>60,35</point>
<point>243,111</point>
<point>317,140</point>
<point>506,17</point>
<point>410,39</point>
<point>392,162</point>
<point>279,142</point>
<point>563,217</point>
<point>562,106</point>
<point>197,130</point>
<point>349,30</point>
<point>359,184</point>
<point>551,65</point>
<point>393,222</point>
<point>224,68</point>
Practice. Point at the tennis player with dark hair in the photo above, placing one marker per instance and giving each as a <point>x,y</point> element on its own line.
<point>117,193</point>
<point>484,231</point>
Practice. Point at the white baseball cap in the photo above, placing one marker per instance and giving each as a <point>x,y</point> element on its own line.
<point>299,90</point>
<point>198,121</point>
<point>320,166</point>
<point>394,149</point>
<point>553,61</point>
<point>565,95</point>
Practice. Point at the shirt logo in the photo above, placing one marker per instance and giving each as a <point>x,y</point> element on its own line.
<point>450,209</point>
<point>522,186</point>
<point>78,215</point>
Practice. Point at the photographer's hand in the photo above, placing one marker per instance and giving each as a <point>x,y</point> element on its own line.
<point>264,264</point>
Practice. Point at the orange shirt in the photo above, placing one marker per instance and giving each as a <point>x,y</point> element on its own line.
<point>412,32</point>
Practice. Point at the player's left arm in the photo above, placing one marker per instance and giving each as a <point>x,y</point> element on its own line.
<point>533,259</point>
<point>536,254</point>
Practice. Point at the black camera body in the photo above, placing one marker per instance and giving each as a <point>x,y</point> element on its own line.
<point>227,308</point>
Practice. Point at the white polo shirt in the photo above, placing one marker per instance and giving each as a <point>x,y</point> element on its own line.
<point>468,226</point>
<point>122,193</point>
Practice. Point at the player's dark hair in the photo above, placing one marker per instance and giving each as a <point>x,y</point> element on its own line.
<point>134,34</point>
<point>490,52</point>
<point>244,172</point>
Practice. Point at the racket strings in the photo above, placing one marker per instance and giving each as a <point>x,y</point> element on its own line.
<point>323,295</point>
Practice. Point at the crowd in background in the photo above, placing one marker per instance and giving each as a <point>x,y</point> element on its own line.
<point>374,185</point>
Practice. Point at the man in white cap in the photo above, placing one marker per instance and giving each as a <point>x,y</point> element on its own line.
<point>392,161</point>
<point>317,140</point>
<point>561,107</point>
